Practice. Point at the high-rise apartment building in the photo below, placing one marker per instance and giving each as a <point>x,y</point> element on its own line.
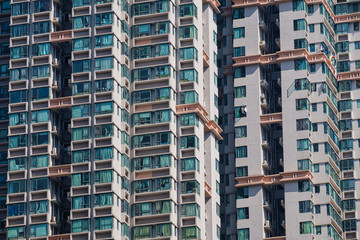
<point>290,95</point>
<point>112,131</point>
<point>185,119</point>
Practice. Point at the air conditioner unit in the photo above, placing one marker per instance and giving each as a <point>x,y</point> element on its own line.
<point>68,194</point>
<point>281,160</point>
<point>282,201</point>
<point>53,218</point>
<point>68,218</point>
<point>54,151</point>
<point>54,129</point>
<point>262,96</point>
<point>55,61</point>
<point>55,19</point>
<point>69,62</point>
<point>68,81</point>
<point>69,15</point>
<point>267,223</point>
<point>264,142</point>
<point>69,126</point>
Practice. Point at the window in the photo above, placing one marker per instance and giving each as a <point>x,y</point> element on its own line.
<point>298,5</point>
<point>42,6</point>
<point>239,32</point>
<point>5,7</point>
<point>317,209</point>
<point>303,124</point>
<point>41,27</point>
<point>300,24</point>
<point>349,225</point>
<point>19,74</point>
<point>190,210</point>
<point>38,230</point>
<point>19,52</point>
<point>189,32</point>
<point>240,132</point>
<point>104,176</point>
<point>104,63</point>
<point>81,156</point>
<point>243,234</point>
<point>80,133</point>
<point>190,233</point>
<point>188,53</point>
<point>241,152</point>
<point>238,13</point>
<point>240,92</point>
<point>348,185</point>
<point>81,88</point>
<point>303,145</point>
<point>17,141</point>
<point>305,186</point>
<point>16,164</point>
<point>346,145</point>
<point>81,22</point>
<point>40,116</point>
<point>39,161</point>
<point>16,209</point>
<point>305,206</point>
<point>103,19</point>
<point>18,96</point>
<point>306,228</point>
<point>357,45</point>
<point>189,75</point>
<point>189,142</point>
<point>19,9</point>
<point>41,71</point>
<point>242,171</point>
<point>190,119</point>
<point>188,10</point>
<point>347,165</point>
<point>83,43</point>
<point>39,207</point>
<point>40,93</point>
<point>16,31</point>
<point>189,164</point>
<point>79,179</point>
<point>240,72</point>
<point>300,43</point>
<point>81,66</point>
<point>300,64</point>
<point>80,225</point>
<point>302,104</point>
<point>4,70</point>
<point>304,164</point>
<point>188,97</point>
<point>239,51</point>
<point>39,184</point>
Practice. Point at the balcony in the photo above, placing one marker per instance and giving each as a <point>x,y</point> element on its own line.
<point>263,25</point>
<point>60,170</point>
<point>61,36</point>
<point>58,103</point>
<point>207,190</point>
<point>274,179</point>
<point>263,45</point>
<point>66,236</point>
<point>271,118</point>
<point>206,59</point>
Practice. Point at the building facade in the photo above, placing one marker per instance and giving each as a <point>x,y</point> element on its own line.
<point>185,119</point>
<point>112,131</point>
<point>290,97</point>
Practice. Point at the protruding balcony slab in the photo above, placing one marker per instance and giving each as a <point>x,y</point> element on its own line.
<point>61,36</point>
<point>57,103</point>
<point>275,179</point>
<point>66,236</point>
<point>207,190</point>
<point>60,170</point>
<point>271,118</point>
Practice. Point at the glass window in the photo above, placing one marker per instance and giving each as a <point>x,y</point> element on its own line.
<point>19,52</point>
<point>16,30</point>
<point>16,164</point>
<point>81,66</point>
<point>39,207</point>
<point>41,71</point>
<point>103,19</point>
<point>305,206</point>
<point>188,53</point>
<point>189,142</point>
<point>188,97</point>
<point>80,133</point>
<point>188,10</point>
<point>240,132</point>
<point>18,96</point>
<point>104,63</point>
<point>239,32</point>
<point>242,171</point>
<point>17,141</point>
<point>241,152</point>
<point>104,41</point>
<point>41,27</point>
<point>40,93</point>
<point>103,108</point>
<point>189,164</point>
<point>80,3</point>
<point>243,213</point>
<point>81,22</point>
<point>42,6</point>
<point>188,32</point>
<point>80,225</point>
<point>16,209</point>
<point>18,74</point>
<point>39,161</point>
<point>82,43</point>
<point>306,228</point>
<point>81,88</point>
<point>40,116</point>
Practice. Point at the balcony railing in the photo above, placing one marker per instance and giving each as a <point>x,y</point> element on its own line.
<point>271,118</point>
<point>63,102</point>
<point>61,36</point>
<point>60,170</point>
